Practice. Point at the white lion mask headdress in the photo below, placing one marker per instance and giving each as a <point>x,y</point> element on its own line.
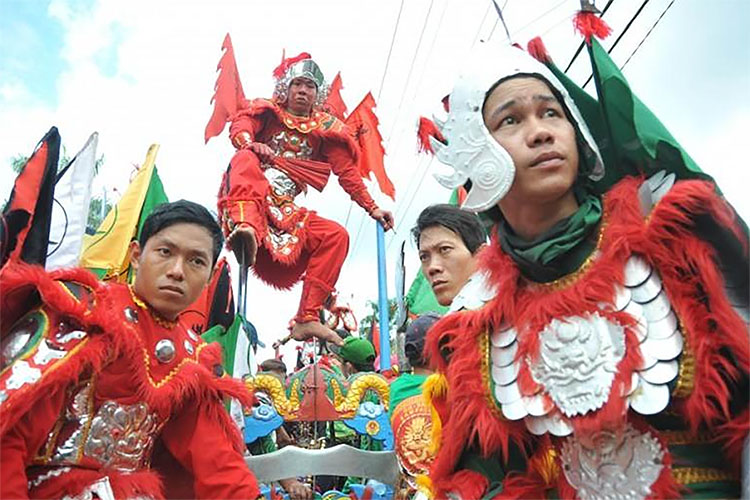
<point>472,152</point>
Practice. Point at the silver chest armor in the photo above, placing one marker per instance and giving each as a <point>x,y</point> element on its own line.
<point>117,436</point>
<point>576,367</point>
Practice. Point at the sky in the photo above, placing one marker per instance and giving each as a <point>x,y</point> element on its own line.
<point>143,72</point>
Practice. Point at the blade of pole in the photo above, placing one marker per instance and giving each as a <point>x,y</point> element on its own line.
<point>385,343</point>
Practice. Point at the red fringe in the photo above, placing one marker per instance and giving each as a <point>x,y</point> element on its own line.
<point>471,418</point>
<point>466,483</point>
<point>427,129</point>
<point>588,24</point>
<point>286,62</point>
<point>733,435</point>
<point>686,265</point>
<point>111,338</point>
<point>538,51</point>
<point>696,290</point>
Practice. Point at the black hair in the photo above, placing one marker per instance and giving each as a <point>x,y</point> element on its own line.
<point>368,366</point>
<point>273,364</point>
<point>414,339</point>
<point>182,211</point>
<point>465,224</point>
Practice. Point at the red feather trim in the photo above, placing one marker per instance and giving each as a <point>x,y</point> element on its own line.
<point>538,51</point>
<point>733,435</point>
<point>466,483</point>
<point>588,24</point>
<point>427,129</point>
<point>693,284</point>
<point>286,62</point>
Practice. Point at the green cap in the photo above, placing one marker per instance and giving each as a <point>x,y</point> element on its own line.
<point>355,350</point>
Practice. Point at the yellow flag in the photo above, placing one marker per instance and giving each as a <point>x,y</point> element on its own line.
<point>106,251</point>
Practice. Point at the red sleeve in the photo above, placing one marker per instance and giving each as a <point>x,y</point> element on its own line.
<point>201,438</point>
<point>242,194</point>
<point>344,164</point>
<point>20,444</point>
<point>246,121</point>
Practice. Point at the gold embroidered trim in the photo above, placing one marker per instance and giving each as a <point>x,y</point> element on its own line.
<point>569,279</point>
<point>692,475</point>
<point>675,438</point>
<point>484,349</point>
<point>686,374</point>
<point>173,371</point>
<point>164,323</point>
<point>89,421</point>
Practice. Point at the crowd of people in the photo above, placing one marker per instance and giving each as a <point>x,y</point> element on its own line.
<point>596,344</point>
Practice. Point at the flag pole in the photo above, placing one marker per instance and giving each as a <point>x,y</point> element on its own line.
<point>385,343</point>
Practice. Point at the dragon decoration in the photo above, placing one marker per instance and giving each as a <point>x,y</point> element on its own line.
<point>319,393</point>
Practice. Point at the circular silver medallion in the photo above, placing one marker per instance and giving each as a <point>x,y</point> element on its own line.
<point>131,315</point>
<point>164,350</point>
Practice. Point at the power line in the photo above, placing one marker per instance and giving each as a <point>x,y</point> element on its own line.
<point>411,69</point>
<point>647,34</point>
<point>382,82</point>
<point>390,50</point>
<point>627,27</point>
<point>424,168</point>
<point>540,16</point>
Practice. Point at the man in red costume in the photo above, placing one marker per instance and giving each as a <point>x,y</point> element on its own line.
<point>284,145</point>
<point>608,356</point>
<point>95,375</point>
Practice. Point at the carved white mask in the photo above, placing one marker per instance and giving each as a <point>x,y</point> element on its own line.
<point>472,152</point>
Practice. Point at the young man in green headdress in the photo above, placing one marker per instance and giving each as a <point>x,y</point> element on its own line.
<point>613,358</point>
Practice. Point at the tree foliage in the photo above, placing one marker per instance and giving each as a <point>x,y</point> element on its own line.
<point>96,214</point>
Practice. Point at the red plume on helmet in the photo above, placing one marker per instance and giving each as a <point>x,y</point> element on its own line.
<point>286,62</point>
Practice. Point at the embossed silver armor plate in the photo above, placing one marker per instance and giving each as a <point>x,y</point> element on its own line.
<point>578,360</point>
<point>121,436</point>
<point>619,465</point>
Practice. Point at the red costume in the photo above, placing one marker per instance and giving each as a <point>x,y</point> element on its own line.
<point>676,393</point>
<point>291,239</point>
<point>91,381</point>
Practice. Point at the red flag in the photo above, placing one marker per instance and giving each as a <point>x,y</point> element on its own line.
<point>376,337</point>
<point>364,125</point>
<point>228,93</point>
<point>334,104</point>
<point>27,215</point>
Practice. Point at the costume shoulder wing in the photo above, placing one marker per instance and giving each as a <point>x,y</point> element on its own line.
<point>47,346</point>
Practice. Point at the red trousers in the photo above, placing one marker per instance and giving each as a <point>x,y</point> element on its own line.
<point>323,244</point>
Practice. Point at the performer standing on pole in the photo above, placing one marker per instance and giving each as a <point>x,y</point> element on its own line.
<point>284,145</point>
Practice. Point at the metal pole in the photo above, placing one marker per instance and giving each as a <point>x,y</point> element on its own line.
<point>385,342</point>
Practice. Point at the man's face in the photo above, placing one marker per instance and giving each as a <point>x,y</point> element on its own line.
<point>446,262</point>
<point>173,267</point>
<point>302,92</point>
<point>526,119</point>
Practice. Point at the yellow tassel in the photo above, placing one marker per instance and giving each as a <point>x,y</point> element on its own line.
<point>424,486</point>
<point>436,386</point>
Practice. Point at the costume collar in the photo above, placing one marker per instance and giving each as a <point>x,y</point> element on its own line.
<point>561,249</point>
